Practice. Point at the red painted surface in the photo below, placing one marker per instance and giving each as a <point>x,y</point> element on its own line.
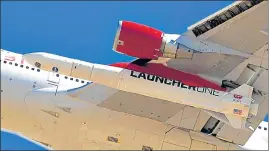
<point>172,74</point>
<point>13,58</point>
<point>238,96</point>
<point>140,41</point>
<point>10,58</point>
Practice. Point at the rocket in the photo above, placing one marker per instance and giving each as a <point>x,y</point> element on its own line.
<point>231,107</point>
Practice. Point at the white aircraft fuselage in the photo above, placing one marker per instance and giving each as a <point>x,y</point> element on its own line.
<point>26,90</point>
<point>36,103</point>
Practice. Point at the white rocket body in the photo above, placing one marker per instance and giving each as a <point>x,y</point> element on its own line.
<point>235,105</point>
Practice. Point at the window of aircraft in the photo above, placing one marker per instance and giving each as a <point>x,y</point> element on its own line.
<point>16,64</point>
<point>77,80</point>
<point>38,70</point>
<point>265,128</point>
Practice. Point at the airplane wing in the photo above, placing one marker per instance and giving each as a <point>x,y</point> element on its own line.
<point>235,27</point>
<point>241,26</point>
<point>245,32</point>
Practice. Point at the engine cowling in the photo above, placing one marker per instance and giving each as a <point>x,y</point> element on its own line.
<point>138,40</point>
<point>145,42</point>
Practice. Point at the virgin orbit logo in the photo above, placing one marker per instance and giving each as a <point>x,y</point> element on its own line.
<point>238,96</point>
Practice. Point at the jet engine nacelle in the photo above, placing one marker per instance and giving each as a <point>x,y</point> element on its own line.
<point>145,42</point>
<point>138,40</point>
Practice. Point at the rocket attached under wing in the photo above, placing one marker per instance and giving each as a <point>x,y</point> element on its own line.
<point>235,105</point>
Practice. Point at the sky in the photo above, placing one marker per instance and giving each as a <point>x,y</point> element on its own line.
<point>12,141</point>
<point>85,30</point>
